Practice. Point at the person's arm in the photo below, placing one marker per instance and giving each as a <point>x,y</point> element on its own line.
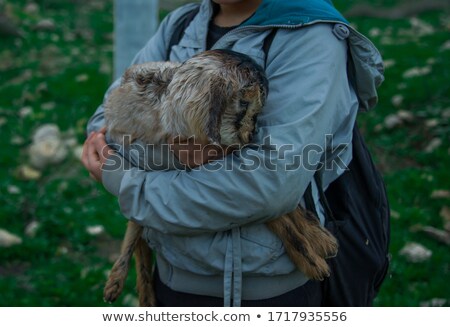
<point>309,97</point>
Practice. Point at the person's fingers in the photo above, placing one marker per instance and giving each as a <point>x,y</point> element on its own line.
<point>84,154</point>
<point>92,154</point>
<point>99,142</point>
<point>103,130</point>
<point>95,152</point>
<point>102,148</point>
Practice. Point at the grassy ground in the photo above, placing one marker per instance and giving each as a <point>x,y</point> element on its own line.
<point>59,74</point>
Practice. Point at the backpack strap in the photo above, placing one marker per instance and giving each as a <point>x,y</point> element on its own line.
<point>267,43</point>
<point>309,200</point>
<point>322,198</point>
<point>178,33</point>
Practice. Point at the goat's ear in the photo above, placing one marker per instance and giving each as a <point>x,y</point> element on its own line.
<point>219,92</point>
<point>155,78</point>
<point>144,78</point>
<point>140,75</point>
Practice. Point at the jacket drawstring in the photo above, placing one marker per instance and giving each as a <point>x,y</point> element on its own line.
<point>237,267</point>
<point>228,274</point>
<point>232,282</point>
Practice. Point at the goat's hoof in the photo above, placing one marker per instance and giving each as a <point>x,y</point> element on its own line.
<point>112,291</point>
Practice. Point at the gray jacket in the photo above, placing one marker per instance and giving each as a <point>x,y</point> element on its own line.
<point>207,224</point>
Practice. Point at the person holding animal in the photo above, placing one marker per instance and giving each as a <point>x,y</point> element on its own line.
<point>213,98</point>
<point>207,225</point>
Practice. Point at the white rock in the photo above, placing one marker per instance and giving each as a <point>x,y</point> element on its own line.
<point>433,145</point>
<point>388,63</point>
<point>47,147</point>
<point>392,121</point>
<point>427,177</point>
<point>46,131</point>
<point>82,78</point>
<point>13,189</point>
<point>395,214</point>
<point>95,230</point>
<point>62,250</point>
<point>445,215</point>
<point>47,152</point>
<point>378,127</point>
<point>397,100</point>
<point>430,123</point>
<point>374,32</point>
<point>405,116</point>
<point>445,46</point>
<point>32,228</point>
<point>45,25</point>
<point>31,8</point>
<point>7,239</point>
<point>415,252</point>
<point>28,173</point>
<point>25,111</point>
<point>48,106</point>
<point>416,72</point>
<point>421,28</point>
<point>17,140</point>
<point>440,194</point>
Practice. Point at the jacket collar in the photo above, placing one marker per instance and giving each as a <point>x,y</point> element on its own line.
<point>286,13</point>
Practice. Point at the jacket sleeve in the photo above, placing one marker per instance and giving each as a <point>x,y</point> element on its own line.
<point>309,97</point>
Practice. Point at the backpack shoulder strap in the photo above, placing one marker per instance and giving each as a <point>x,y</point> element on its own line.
<point>183,23</point>
<point>267,44</point>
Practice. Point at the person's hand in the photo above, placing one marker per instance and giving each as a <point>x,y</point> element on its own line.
<point>193,154</point>
<point>95,153</point>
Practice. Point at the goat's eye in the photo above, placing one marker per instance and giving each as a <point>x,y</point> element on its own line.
<point>244,104</point>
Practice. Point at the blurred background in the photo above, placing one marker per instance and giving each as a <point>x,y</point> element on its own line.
<point>60,231</point>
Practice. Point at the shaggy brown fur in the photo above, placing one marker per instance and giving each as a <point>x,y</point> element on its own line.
<point>214,96</point>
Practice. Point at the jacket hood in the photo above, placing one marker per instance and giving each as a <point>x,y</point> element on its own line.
<point>366,69</point>
<point>294,12</point>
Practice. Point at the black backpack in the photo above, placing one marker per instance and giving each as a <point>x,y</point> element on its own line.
<point>356,212</point>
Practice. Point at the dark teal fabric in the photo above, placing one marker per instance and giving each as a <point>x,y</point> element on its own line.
<point>294,12</point>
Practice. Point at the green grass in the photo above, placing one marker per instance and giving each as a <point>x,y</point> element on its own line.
<point>63,265</point>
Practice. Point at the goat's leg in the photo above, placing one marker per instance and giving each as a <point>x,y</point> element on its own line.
<point>143,256</point>
<point>319,237</point>
<point>119,272</point>
<point>307,243</point>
